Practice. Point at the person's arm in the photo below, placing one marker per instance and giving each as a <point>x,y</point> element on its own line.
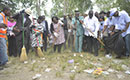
<point>96,25</point>
<point>104,29</point>
<point>16,16</point>
<point>127,26</point>
<point>16,30</point>
<point>51,28</point>
<point>127,20</point>
<point>81,20</point>
<point>2,25</point>
<point>47,31</point>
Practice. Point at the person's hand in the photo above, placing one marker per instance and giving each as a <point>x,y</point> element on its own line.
<point>124,30</point>
<point>38,34</point>
<point>49,35</point>
<point>95,34</point>
<point>81,21</point>
<point>17,30</point>
<point>23,29</point>
<point>112,33</point>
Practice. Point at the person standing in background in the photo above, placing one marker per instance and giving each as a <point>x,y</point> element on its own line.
<point>65,21</point>
<point>20,20</point>
<point>3,31</point>
<point>45,32</point>
<point>58,33</point>
<point>77,22</point>
<point>11,37</point>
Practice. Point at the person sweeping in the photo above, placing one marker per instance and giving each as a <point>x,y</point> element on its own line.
<point>36,36</point>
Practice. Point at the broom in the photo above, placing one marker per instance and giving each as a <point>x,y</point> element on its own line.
<point>39,51</point>
<point>23,56</point>
<point>94,35</point>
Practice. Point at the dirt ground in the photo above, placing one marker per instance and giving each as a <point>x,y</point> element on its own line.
<point>66,66</point>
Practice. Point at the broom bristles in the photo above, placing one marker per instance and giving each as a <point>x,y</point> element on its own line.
<point>40,53</point>
<point>23,56</point>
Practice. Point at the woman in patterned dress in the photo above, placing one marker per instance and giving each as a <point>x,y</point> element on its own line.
<point>58,33</point>
<point>36,36</point>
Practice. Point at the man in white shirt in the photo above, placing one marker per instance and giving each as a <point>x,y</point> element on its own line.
<point>91,23</point>
<point>107,30</point>
<point>122,22</point>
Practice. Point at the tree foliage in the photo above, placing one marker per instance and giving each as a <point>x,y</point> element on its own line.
<point>124,5</point>
<point>108,4</point>
<point>62,7</point>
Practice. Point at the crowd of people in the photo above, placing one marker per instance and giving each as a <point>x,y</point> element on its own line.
<point>80,33</point>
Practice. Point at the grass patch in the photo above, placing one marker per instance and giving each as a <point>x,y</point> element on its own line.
<point>72,76</point>
<point>59,74</point>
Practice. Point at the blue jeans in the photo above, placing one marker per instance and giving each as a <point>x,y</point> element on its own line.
<point>127,42</point>
<point>3,51</point>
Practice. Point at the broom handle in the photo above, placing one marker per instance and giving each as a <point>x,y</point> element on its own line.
<point>94,35</point>
<point>23,27</point>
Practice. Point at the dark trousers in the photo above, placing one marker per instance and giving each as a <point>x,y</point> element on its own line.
<point>45,41</point>
<point>84,43</point>
<point>19,42</point>
<point>71,41</point>
<point>92,44</point>
<point>66,35</point>
<point>59,46</point>
<point>12,46</point>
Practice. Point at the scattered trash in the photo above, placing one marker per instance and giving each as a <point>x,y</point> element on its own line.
<point>71,61</point>
<point>125,67</point>
<point>108,56</point>
<point>75,67</point>
<point>100,59</point>
<point>72,71</point>
<point>98,71</point>
<point>127,72</point>
<point>81,55</point>
<point>77,63</point>
<point>89,71</point>
<point>33,61</point>
<point>36,76</point>
<point>25,62</point>
<point>9,62</point>
<point>117,61</point>
<point>74,54</point>
<point>110,70</point>
<point>120,76</point>
<point>42,58</point>
<point>48,70</point>
<point>96,64</point>
<point>105,72</point>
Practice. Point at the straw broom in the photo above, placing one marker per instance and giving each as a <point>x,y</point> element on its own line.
<point>23,56</point>
<point>39,51</point>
